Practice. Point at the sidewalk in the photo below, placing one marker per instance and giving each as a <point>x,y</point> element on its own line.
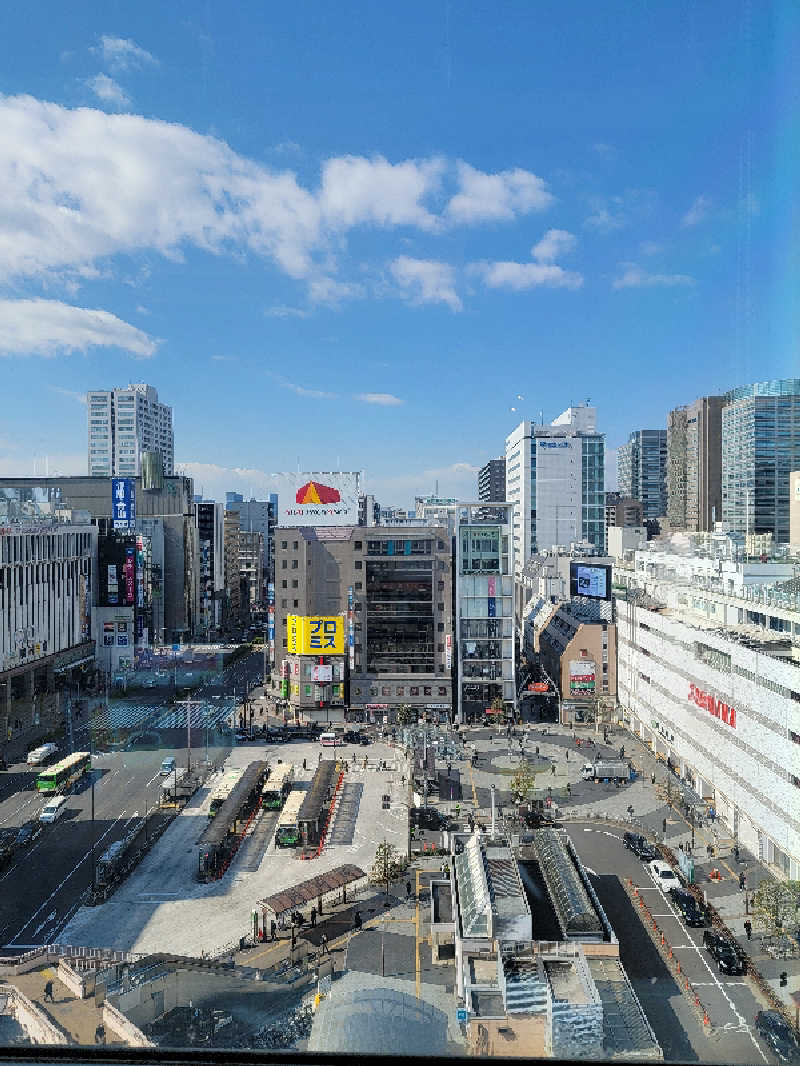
<point>77,1017</point>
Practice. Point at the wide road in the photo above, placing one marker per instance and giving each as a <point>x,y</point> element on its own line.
<point>729,1000</point>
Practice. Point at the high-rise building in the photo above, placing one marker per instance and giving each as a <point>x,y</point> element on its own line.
<point>492,480</point>
<point>555,477</point>
<point>125,425</point>
<point>623,511</point>
<point>258,516</point>
<point>794,509</point>
<point>694,465</point>
<point>642,470</point>
<point>760,448</point>
<point>210,518</point>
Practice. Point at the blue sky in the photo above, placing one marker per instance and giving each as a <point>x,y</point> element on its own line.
<point>352,235</point>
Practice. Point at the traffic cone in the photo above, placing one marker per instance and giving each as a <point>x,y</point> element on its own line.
<point>679,967</point>
<point>706,1020</point>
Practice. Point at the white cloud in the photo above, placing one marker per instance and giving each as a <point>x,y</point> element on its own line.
<point>612,213</point>
<point>109,92</point>
<point>331,292</point>
<point>458,479</point>
<point>78,397</point>
<point>634,277</point>
<point>697,212</point>
<point>282,311</point>
<point>356,190</point>
<point>426,281</point>
<point>496,197</point>
<point>223,359</point>
<point>520,276</point>
<point>301,390</point>
<point>554,244</point>
<point>382,399</point>
<point>49,327</point>
<point>121,53</point>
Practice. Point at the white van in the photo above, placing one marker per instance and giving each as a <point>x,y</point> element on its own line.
<point>53,809</point>
<point>41,754</point>
<point>663,874</point>
<point>168,765</point>
<point>329,740</point>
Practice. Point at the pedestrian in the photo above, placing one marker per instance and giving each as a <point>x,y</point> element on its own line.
<point>272,929</point>
<point>100,1034</point>
<point>653,778</point>
<point>313,917</point>
<point>48,992</point>
<point>566,755</point>
<point>663,825</point>
<point>324,944</point>
<point>709,850</point>
<point>748,928</point>
<point>553,768</point>
<point>742,881</point>
<point>408,890</point>
<point>736,852</point>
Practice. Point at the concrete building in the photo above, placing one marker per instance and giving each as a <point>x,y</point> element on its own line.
<point>251,570</point>
<point>760,448</point>
<point>623,511</point>
<point>485,645</point>
<point>709,677</point>
<point>165,514</point>
<point>233,597</point>
<point>48,571</point>
<point>210,519</point>
<point>369,510</point>
<point>124,425</point>
<point>555,477</point>
<point>258,516</point>
<point>492,480</point>
<point>694,464</point>
<point>578,649</point>
<point>623,539</point>
<point>642,471</point>
<point>395,588</point>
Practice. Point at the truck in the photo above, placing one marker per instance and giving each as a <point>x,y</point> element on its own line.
<point>606,770</point>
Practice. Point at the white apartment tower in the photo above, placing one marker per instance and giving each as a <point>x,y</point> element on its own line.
<point>555,477</point>
<point>123,425</point>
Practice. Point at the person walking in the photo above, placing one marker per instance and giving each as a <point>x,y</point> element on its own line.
<point>313,917</point>
<point>653,778</point>
<point>48,992</point>
<point>742,881</point>
<point>553,768</point>
<point>748,928</point>
<point>323,943</point>
<point>408,890</point>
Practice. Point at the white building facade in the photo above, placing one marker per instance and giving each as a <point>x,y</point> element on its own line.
<point>555,477</point>
<point>723,704</point>
<point>123,425</point>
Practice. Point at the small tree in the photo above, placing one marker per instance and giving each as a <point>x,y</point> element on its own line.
<point>406,714</point>
<point>775,906</point>
<point>523,781</point>
<point>387,866</point>
<point>497,703</point>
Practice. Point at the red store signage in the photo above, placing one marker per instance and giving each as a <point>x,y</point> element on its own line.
<point>714,706</point>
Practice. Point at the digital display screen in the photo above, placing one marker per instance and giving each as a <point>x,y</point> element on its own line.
<point>592,581</point>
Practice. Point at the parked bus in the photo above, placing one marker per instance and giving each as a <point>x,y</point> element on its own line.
<point>278,786</point>
<point>330,740</point>
<point>287,833</point>
<point>64,774</point>
<point>230,778</point>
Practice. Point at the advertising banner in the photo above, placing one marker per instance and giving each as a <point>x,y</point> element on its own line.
<point>123,495</point>
<point>448,652</point>
<point>317,498</point>
<point>139,572</point>
<point>322,673</point>
<point>315,635</point>
<point>112,585</point>
<point>129,572</point>
<point>108,634</point>
<point>581,675</point>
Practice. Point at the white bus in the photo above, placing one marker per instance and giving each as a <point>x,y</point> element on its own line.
<point>330,740</point>
<point>287,831</point>
<point>41,754</point>
<point>278,786</point>
<point>230,778</point>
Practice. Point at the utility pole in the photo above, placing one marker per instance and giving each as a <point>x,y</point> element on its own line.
<point>94,861</point>
<point>188,703</point>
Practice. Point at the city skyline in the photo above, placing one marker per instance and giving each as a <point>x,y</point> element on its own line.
<point>317,262</point>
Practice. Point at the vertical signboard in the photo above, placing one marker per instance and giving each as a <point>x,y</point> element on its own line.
<point>123,494</point>
<point>448,652</point>
<point>271,631</point>
<point>129,575</point>
<point>112,585</point>
<point>351,647</point>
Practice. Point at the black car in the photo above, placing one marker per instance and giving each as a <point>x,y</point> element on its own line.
<point>727,953</point>
<point>690,910</point>
<point>779,1035</point>
<point>428,818</point>
<point>639,846</point>
<point>27,833</point>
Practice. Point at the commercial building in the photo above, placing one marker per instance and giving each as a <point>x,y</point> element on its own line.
<point>48,571</point>
<point>210,519</point>
<point>233,595</point>
<point>555,477</point>
<point>485,645</point>
<point>161,509</point>
<point>313,668</point>
<point>369,510</point>
<point>694,464</point>
<point>492,480</point>
<point>251,570</point>
<point>258,516</point>
<point>642,471</point>
<point>709,677</point>
<point>395,590</point>
<point>794,510</point>
<point>623,511</point>
<point>760,448</point>
<point>125,425</point>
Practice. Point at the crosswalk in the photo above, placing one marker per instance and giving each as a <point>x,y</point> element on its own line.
<point>124,714</point>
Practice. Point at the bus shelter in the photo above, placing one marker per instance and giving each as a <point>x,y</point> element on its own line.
<point>316,806</point>
<point>220,841</point>
<point>320,891</point>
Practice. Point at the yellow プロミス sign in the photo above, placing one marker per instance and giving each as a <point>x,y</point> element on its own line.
<point>315,634</point>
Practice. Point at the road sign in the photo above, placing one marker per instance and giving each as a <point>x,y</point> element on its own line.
<point>176,647</point>
<point>461,1014</point>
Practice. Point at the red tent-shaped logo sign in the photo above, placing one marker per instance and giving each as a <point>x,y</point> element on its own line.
<point>314,492</point>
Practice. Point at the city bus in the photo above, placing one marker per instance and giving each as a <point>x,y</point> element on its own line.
<point>287,832</point>
<point>230,778</point>
<point>278,786</point>
<point>64,774</point>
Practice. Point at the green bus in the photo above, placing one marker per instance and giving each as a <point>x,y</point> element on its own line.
<point>64,774</point>
<point>278,786</point>
<point>287,832</point>
<point>228,781</point>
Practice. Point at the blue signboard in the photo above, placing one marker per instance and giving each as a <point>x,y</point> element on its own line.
<point>461,1014</point>
<point>123,502</point>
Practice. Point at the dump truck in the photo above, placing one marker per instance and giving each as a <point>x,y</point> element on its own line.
<point>606,770</point>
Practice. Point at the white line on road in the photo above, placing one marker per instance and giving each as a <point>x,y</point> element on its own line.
<point>61,885</point>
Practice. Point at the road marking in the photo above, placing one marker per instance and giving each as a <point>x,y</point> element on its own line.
<point>61,885</point>
<point>417,966</point>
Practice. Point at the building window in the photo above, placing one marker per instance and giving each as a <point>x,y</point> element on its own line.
<point>359,586</point>
<point>295,583</point>
<point>283,564</point>
<point>296,603</point>
<point>442,690</point>
<point>295,545</point>
<point>294,564</point>
<point>415,690</point>
<point>426,690</point>
<point>440,647</point>
<point>285,603</point>
<point>284,642</point>
<point>386,690</point>
<point>357,545</point>
<point>284,544</point>
<point>307,690</point>
<point>400,690</point>
<point>284,584</point>
<point>440,627</point>
<point>358,564</point>
<point>439,606</point>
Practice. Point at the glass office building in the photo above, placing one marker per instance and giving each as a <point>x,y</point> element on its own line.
<point>760,447</point>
